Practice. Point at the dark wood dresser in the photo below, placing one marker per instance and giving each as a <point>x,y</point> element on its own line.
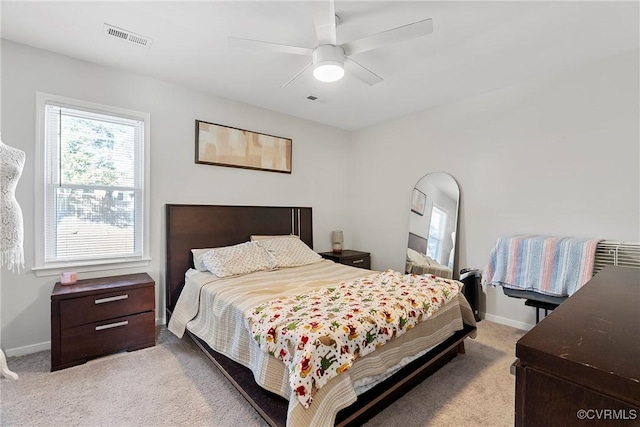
<point>581,364</point>
<point>95,317</point>
<point>349,257</point>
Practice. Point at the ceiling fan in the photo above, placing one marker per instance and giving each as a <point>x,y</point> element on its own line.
<point>330,60</point>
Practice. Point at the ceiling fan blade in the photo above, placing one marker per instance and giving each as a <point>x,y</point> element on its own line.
<point>297,75</point>
<point>324,17</point>
<point>367,76</point>
<point>409,31</point>
<point>256,44</point>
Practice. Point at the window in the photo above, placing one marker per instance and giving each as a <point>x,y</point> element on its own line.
<point>94,194</point>
<point>436,233</point>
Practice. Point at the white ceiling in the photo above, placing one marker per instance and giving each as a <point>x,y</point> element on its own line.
<point>476,47</point>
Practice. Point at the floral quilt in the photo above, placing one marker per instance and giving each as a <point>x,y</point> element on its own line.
<point>320,334</point>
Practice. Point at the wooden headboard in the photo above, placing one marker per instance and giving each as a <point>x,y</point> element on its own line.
<point>211,226</point>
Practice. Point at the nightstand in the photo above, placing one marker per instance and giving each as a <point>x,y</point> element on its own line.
<point>349,257</point>
<point>96,317</point>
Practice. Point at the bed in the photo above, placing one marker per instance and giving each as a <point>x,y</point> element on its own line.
<point>202,226</point>
<point>419,263</point>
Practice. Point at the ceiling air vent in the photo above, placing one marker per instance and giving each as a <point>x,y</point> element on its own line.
<point>317,98</point>
<point>127,36</point>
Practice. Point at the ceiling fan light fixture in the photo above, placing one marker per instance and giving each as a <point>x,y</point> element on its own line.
<point>328,71</point>
<point>328,63</point>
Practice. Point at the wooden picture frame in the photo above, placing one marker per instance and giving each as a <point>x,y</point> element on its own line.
<point>418,201</point>
<point>227,146</point>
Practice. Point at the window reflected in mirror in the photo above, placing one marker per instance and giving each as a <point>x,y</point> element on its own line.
<point>436,234</point>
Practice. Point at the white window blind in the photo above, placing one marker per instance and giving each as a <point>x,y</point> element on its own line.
<point>94,185</point>
<point>436,233</point>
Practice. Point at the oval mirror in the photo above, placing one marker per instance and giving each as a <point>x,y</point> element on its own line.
<point>432,226</point>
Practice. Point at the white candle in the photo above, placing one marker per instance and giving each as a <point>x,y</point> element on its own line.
<point>68,278</point>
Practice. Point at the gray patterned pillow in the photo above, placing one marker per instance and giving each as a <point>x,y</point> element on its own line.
<point>235,260</point>
<point>289,252</point>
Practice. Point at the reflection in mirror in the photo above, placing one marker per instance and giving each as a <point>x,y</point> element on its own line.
<point>432,227</point>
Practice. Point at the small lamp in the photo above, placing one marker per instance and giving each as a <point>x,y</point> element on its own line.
<point>336,240</point>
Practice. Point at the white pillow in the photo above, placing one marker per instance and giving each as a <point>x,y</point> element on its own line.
<point>289,252</point>
<point>431,261</point>
<point>197,259</point>
<point>258,238</point>
<point>417,258</point>
<point>235,260</point>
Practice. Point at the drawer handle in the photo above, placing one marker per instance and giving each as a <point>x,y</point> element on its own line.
<point>112,325</point>
<point>111,299</point>
<point>358,261</point>
<point>512,368</point>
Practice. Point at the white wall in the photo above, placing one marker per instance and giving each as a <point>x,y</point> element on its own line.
<point>556,156</point>
<point>559,156</point>
<point>319,153</point>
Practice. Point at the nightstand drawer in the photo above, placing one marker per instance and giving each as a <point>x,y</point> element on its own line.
<point>361,262</point>
<point>94,339</point>
<point>107,305</point>
<point>350,257</point>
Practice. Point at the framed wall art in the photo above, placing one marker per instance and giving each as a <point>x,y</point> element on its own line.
<point>227,146</point>
<point>418,201</point>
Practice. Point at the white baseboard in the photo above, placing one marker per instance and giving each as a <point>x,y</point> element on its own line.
<point>508,322</point>
<point>28,349</point>
<point>34,348</point>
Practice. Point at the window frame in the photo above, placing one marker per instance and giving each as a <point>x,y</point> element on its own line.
<point>44,268</point>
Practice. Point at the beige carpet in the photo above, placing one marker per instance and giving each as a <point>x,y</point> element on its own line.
<point>174,384</point>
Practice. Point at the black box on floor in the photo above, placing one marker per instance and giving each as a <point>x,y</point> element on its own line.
<point>470,278</point>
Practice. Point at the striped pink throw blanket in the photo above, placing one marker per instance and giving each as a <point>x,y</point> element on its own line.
<point>556,266</point>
